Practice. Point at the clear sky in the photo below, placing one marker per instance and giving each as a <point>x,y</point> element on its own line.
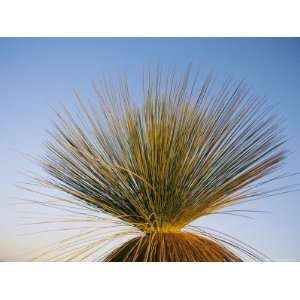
<point>38,73</point>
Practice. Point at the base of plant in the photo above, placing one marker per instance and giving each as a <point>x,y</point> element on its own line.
<point>171,247</point>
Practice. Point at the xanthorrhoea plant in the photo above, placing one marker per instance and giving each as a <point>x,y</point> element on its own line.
<point>155,168</point>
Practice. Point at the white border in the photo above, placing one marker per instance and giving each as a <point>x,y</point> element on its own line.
<point>149,18</point>
<point>151,281</point>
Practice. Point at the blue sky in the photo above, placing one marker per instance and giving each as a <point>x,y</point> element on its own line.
<point>36,74</point>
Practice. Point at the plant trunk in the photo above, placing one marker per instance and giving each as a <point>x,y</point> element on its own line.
<point>171,247</point>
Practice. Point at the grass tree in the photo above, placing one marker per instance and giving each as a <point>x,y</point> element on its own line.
<point>145,170</point>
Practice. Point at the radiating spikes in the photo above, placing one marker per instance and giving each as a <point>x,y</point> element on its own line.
<point>181,153</point>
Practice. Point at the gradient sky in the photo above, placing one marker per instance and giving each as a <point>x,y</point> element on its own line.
<point>36,74</point>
